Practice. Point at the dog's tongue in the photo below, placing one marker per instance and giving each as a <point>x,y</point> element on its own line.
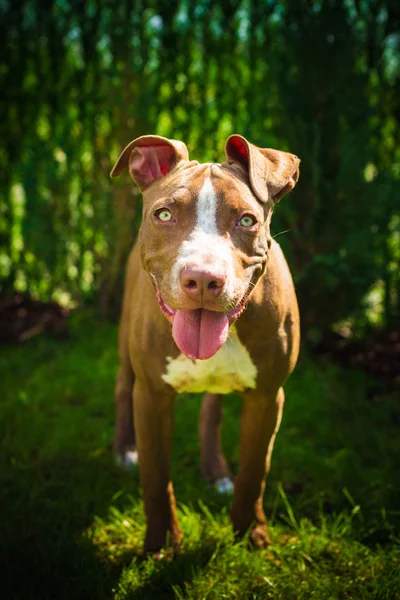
<point>200,333</point>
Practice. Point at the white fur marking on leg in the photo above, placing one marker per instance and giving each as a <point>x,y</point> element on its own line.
<point>128,460</point>
<point>224,486</point>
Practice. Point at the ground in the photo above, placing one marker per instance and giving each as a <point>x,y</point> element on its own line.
<point>72,523</point>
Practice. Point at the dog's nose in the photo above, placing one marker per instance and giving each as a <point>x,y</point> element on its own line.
<point>200,284</point>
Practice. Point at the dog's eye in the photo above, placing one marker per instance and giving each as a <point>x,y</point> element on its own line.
<point>247,221</point>
<point>164,215</point>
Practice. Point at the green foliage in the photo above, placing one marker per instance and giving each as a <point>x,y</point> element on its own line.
<point>72,523</point>
<point>81,79</point>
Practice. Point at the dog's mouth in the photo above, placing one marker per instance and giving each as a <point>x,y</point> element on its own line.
<point>200,333</point>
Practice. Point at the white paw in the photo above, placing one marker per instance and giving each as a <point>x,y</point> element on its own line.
<point>224,486</point>
<point>128,460</point>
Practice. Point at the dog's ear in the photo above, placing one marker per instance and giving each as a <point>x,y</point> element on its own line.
<point>150,157</point>
<point>272,173</point>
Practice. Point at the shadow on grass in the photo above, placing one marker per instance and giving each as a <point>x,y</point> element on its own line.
<point>45,511</point>
<point>172,575</point>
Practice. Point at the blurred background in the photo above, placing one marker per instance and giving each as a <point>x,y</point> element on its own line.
<point>82,78</point>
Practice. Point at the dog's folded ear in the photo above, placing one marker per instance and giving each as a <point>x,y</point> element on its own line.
<point>150,157</point>
<point>272,173</point>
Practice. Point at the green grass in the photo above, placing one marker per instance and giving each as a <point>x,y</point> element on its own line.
<point>72,523</point>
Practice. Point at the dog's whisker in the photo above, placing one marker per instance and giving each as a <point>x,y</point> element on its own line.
<point>281,233</point>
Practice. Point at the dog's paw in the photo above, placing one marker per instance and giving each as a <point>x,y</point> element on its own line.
<point>259,536</point>
<point>224,486</point>
<point>128,459</point>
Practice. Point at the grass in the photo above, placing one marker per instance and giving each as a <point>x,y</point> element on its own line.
<point>72,523</point>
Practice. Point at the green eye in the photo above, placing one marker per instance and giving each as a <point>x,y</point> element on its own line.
<point>247,221</point>
<point>164,215</point>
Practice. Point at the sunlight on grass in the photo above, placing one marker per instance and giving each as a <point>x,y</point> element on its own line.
<point>303,559</point>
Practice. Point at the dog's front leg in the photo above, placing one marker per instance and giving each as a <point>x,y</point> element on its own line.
<point>153,412</point>
<point>260,420</point>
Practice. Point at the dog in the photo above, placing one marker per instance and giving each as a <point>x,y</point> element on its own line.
<point>209,306</point>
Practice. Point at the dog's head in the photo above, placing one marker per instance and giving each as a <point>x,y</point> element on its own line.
<point>205,233</point>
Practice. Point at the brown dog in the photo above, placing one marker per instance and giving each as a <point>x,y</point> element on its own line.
<point>209,305</point>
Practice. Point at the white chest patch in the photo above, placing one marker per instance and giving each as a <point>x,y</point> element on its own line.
<point>229,370</point>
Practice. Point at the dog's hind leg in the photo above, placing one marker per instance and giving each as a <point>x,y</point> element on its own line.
<point>124,438</point>
<point>213,463</point>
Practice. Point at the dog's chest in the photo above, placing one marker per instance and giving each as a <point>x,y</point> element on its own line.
<point>230,369</point>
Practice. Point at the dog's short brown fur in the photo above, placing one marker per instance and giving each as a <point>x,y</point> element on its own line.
<point>205,249</point>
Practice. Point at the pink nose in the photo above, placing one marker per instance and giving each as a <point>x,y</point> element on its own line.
<point>201,285</point>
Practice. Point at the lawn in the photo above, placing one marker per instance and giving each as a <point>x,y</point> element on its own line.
<point>72,523</point>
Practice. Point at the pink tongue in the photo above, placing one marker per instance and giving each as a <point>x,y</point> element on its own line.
<point>200,333</point>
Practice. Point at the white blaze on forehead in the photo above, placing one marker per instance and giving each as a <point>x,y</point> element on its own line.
<point>207,208</point>
<point>204,246</point>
